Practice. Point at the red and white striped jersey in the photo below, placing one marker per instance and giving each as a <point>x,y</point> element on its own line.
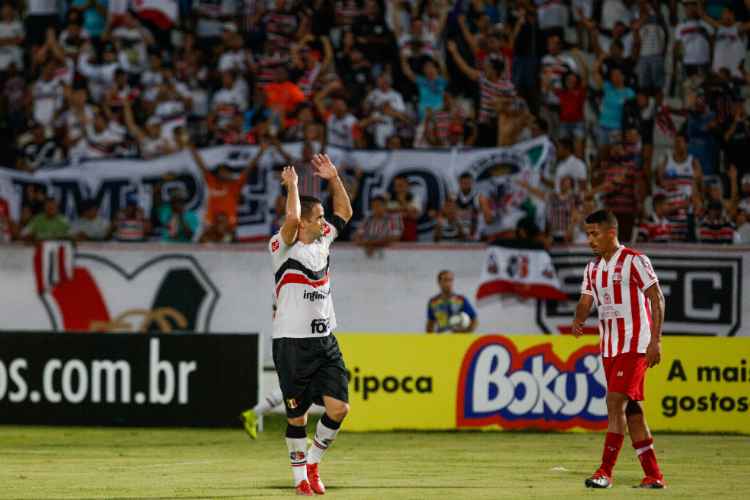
<point>618,288</point>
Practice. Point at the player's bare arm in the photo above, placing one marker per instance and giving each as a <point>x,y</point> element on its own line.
<point>293,207</point>
<point>582,312</point>
<point>656,299</point>
<point>325,169</point>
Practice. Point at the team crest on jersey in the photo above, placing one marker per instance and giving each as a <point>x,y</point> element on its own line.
<point>500,385</point>
<point>275,245</point>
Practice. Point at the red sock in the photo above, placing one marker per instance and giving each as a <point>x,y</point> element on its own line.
<point>612,445</point>
<point>645,451</point>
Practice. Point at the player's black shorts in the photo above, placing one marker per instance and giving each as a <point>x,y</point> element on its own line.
<point>309,369</point>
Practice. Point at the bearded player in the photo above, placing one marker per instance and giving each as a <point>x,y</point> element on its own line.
<point>305,352</point>
<point>630,304</point>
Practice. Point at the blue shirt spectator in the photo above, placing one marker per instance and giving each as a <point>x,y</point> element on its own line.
<point>613,101</point>
<point>444,309</point>
<point>94,15</point>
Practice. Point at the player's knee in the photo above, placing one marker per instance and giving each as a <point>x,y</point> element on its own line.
<point>633,409</point>
<point>298,421</point>
<point>616,402</point>
<point>339,411</point>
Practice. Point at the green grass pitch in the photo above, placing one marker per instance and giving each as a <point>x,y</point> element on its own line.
<point>120,463</point>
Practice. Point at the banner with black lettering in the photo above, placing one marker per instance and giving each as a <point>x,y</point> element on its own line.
<point>432,174</point>
<point>513,268</point>
<point>127,379</point>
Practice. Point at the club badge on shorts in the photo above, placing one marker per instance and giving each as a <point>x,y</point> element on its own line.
<point>291,403</point>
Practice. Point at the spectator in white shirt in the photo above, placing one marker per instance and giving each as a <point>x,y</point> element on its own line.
<point>730,45</point>
<point>11,38</point>
<point>693,42</point>
<point>384,106</point>
<point>47,94</point>
<point>570,166</point>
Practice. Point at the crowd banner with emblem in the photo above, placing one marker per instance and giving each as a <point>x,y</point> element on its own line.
<point>513,268</point>
<point>495,382</point>
<point>169,288</point>
<point>433,174</point>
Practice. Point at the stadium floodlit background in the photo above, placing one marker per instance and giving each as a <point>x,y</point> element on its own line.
<point>139,184</point>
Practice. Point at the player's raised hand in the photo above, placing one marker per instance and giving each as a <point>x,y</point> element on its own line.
<point>324,167</point>
<point>289,176</point>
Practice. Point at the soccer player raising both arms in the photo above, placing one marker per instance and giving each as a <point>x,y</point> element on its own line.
<point>305,352</point>
<point>630,304</point>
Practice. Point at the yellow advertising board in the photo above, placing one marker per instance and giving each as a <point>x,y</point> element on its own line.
<point>534,382</point>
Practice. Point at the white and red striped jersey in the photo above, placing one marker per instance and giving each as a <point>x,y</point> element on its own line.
<point>618,287</point>
<point>304,307</point>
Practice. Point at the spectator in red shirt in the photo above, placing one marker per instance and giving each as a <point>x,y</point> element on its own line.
<point>572,102</point>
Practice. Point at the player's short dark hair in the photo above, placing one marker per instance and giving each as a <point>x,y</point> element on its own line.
<point>306,204</point>
<point>605,217</point>
<point>443,273</point>
<point>466,175</point>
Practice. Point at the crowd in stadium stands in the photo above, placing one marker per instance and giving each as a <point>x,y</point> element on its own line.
<point>85,79</point>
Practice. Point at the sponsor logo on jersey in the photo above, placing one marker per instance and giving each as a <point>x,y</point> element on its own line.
<point>313,295</point>
<point>498,385</point>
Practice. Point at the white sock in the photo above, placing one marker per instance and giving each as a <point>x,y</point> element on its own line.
<point>325,433</point>
<point>298,458</point>
<point>268,403</point>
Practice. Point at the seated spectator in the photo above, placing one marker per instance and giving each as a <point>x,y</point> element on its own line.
<point>47,94</point>
<point>680,179</point>
<point>715,226</point>
<point>90,226</point>
<point>379,230</point>
<point>742,223</point>
<point>656,228</point>
<point>8,228</point>
<point>407,205</point>
<point>130,223</point>
<point>48,225</point>
<point>103,137</point>
<point>448,226</point>
<point>228,102</point>
<point>221,231</point>
<point>179,223</point>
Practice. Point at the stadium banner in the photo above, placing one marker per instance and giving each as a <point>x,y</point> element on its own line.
<point>162,288</point>
<point>432,175</point>
<point>127,379</point>
<point>517,269</point>
<point>494,382</point>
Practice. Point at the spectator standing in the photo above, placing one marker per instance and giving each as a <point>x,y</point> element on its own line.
<point>11,38</point>
<point>571,166</point>
<point>615,94</point>
<point>737,139</point>
<point>41,15</point>
<point>94,15</point>
<point>692,43</point>
<point>556,66</point>
<point>384,106</point>
<point>572,98</point>
<point>680,178</point>
<point>443,307</point>
<point>430,85</point>
<point>224,188</point>
<point>730,43</point>
<point>467,205</point>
